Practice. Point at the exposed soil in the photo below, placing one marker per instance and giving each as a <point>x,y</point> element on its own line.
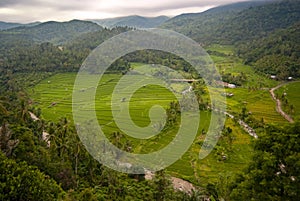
<point>278,103</point>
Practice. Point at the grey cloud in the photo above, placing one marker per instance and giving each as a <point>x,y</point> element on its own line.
<point>57,5</point>
<point>120,8</point>
<point>161,6</point>
<point>153,5</point>
<point>69,5</point>
<point>8,3</point>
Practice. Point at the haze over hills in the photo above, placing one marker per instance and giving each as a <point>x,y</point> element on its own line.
<point>62,32</point>
<point>55,32</point>
<point>236,22</point>
<point>227,24</point>
<point>10,25</point>
<point>132,21</point>
<point>264,33</point>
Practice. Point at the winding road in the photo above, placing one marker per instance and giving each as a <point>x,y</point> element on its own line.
<point>278,103</point>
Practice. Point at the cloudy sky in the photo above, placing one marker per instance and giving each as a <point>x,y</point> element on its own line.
<point>63,10</point>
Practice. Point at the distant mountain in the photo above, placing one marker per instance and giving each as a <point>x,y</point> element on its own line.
<point>55,32</point>
<point>89,41</point>
<point>31,24</point>
<point>132,21</point>
<point>237,22</point>
<point>9,25</point>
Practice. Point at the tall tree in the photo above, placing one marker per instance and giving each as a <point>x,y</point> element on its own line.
<point>274,173</point>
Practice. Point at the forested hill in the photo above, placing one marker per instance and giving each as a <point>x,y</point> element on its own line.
<point>8,25</point>
<point>180,22</point>
<point>132,21</point>
<point>277,54</point>
<point>54,32</point>
<point>237,22</point>
<point>18,53</point>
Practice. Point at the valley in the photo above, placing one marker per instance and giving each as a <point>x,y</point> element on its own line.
<point>48,154</point>
<point>54,96</point>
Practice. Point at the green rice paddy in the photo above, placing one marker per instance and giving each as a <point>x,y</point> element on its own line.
<point>253,94</point>
<point>54,96</point>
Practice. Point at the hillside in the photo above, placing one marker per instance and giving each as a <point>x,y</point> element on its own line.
<point>277,54</point>
<point>8,25</point>
<point>56,32</point>
<point>19,53</point>
<point>237,22</point>
<point>133,21</point>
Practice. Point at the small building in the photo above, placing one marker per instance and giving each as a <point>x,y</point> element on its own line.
<point>232,86</point>
<point>225,84</point>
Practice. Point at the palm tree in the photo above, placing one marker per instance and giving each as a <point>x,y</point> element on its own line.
<point>23,114</point>
<point>52,128</point>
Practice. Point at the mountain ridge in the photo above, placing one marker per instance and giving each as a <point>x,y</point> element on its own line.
<point>55,32</point>
<point>235,22</point>
<point>11,25</point>
<point>134,21</point>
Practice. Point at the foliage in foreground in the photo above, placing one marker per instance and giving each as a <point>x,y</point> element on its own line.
<point>275,171</point>
<point>19,181</point>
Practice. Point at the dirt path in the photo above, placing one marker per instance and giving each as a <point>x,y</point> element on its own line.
<point>278,103</point>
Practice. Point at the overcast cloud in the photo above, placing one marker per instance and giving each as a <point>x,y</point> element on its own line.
<point>63,10</point>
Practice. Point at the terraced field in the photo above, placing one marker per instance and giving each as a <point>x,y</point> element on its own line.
<point>54,96</point>
<point>253,94</point>
<point>259,103</point>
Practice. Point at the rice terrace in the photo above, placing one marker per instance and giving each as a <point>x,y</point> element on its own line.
<point>54,96</point>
